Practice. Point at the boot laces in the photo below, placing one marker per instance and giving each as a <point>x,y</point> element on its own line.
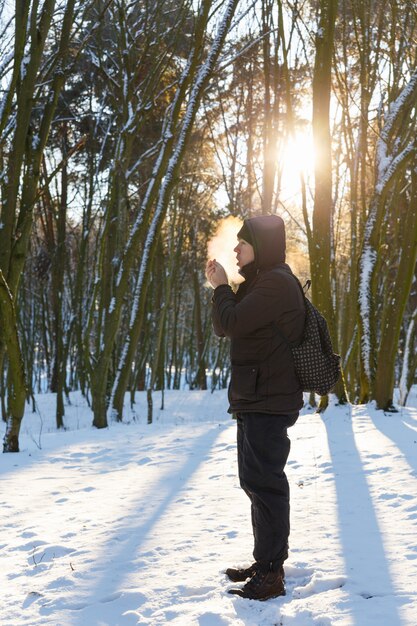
<point>257,579</point>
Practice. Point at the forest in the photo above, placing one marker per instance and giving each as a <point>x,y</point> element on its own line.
<point>131,132</point>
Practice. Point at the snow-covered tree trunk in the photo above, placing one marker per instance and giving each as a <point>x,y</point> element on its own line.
<point>409,361</point>
<point>392,156</point>
<point>177,130</point>
<point>169,273</point>
<point>398,290</point>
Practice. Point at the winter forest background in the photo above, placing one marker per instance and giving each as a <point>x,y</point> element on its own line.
<point>129,131</point>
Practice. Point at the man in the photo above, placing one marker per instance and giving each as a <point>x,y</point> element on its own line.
<point>264,393</point>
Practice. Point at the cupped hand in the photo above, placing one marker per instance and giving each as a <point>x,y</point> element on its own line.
<point>215,273</point>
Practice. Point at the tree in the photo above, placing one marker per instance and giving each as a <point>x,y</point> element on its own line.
<point>26,114</point>
<point>177,127</point>
<point>321,248</point>
<point>393,155</point>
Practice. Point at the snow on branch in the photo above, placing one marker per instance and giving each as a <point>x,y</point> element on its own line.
<point>395,108</point>
<point>387,165</point>
<point>195,95</point>
<point>391,166</point>
<point>367,264</point>
<point>403,385</point>
<point>171,121</point>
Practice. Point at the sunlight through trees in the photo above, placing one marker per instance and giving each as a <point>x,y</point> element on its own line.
<point>128,131</point>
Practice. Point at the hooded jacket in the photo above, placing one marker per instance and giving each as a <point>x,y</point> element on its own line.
<point>263,378</point>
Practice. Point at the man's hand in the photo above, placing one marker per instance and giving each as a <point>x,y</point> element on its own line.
<point>216,274</point>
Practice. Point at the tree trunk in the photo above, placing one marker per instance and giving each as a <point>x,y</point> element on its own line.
<point>393,152</point>
<point>321,241</point>
<point>200,378</point>
<point>399,292</point>
<point>409,362</point>
<point>58,275</point>
<point>99,398</point>
<point>16,373</point>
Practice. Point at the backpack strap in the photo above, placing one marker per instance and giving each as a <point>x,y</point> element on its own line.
<point>306,286</point>
<point>293,344</point>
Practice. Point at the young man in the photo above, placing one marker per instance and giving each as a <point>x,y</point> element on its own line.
<point>264,392</point>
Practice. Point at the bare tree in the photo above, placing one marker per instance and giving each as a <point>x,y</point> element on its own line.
<point>29,103</point>
<point>177,127</point>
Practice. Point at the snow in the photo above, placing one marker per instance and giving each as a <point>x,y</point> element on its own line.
<point>367,264</point>
<point>404,382</point>
<point>135,524</point>
<point>35,141</point>
<point>408,93</point>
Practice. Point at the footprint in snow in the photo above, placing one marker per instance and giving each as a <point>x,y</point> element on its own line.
<point>111,597</point>
<point>27,534</point>
<point>33,545</point>
<point>293,571</point>
<point>31,597</point>
<point>60,583</point>
<point>319,584</point>
<point>326,468</point>
<point>76,606</point>
<point>231,534</point>
<point>41,554</point>
<point>194,591</point>
<point>211,619</point>
<point>146,459</point>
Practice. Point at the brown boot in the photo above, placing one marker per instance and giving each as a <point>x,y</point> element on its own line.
<point>237,575</point>
<point>262,586</point>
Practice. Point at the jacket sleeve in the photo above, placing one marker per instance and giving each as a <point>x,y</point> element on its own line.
<point>269,299</point>
<point>216,320</point>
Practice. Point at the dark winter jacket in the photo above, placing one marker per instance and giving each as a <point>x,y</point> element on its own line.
<point>263,378</point>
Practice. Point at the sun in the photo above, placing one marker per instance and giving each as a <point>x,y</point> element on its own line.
<point>295,159</point>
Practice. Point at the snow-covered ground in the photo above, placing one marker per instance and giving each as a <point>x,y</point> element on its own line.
<point>135,524</point>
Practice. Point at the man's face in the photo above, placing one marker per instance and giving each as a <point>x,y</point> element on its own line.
<point>244,253</point>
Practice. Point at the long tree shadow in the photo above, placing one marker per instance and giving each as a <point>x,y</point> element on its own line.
<point>401,428</point>
<point>367,568</point>
<point>125,542</point>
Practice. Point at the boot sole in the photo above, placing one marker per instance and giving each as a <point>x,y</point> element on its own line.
<point>241,594</point>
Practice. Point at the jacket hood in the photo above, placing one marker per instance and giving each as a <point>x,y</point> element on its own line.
<point>268,239</point>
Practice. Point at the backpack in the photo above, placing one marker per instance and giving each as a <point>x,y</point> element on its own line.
<point>316,365</point>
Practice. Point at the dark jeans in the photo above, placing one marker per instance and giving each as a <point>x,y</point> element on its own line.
<point>263,447</point>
